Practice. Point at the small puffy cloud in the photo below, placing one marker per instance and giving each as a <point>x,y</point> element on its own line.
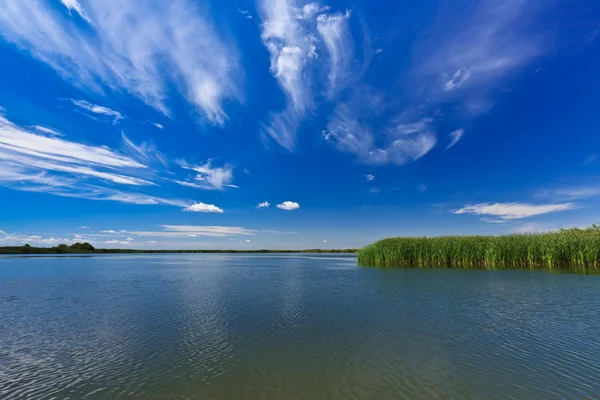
<point>84,227</point>
<point>248,240</point>
<point>370,177</point>
<point>325,241</point>
<point>201,207</point>
<point>245,13</point>
<point>455,137</point>
<point>159,126</point>
<point>288,206</point>
<point>264,204</point>
<point>514,210</point>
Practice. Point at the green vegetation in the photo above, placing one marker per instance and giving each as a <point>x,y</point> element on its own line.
<point>86,248</point>
<point>567,248</point>
<point>77,248</point>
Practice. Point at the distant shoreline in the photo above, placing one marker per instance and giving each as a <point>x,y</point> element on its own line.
<point>67,250</point>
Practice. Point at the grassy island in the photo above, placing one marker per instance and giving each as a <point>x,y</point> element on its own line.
<point>86,248</point>
<point>567,248</point>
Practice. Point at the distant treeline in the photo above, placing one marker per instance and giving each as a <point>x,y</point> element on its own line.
<point>86,248</point>
<point>567,248</point>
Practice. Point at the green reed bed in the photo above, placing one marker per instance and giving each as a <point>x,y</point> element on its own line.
<point>568,248</point>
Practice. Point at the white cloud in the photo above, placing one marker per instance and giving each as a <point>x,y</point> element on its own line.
<point>145,152</point>
<point>144,48</point>
<point>2,233</point>
<point>47,130</point>
<point>201,207</point>
<point>264,204</point>
<point>113,232</point>
<point>34,162</point>
<point>370,177</point>
<point>209,177</point>
<point>493,220</point>
<point>531,228</point>
<point>335,32</point>
<point>97,110</point>
<point>245,13</point>
<point>28,156</point>
<point>466,59</point>
<point>186,230</point>
<point>422,188</point>
<point>288,205</point>
<point>404,141</point>
<point>84,227</point>
<point>119,242</point>
<point>73,5</point>
<point>156,124</point>
<point>324,241</point>
<point>571,193</point>
<point>513,210</point>
<point>291,35</point>
<point>455,137</point>
<point>248,241</point>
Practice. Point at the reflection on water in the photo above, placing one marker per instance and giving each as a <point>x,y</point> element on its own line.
<point>291,327</point>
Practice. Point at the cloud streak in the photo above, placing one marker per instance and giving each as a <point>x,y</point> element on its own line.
<point>455,137</point>
<point>508,211</point>
<point>93,110</point>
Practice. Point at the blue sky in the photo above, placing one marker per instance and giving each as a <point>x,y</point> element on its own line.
<point>291,124</point>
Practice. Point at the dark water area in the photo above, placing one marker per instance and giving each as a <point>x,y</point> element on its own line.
<point>178,326</point>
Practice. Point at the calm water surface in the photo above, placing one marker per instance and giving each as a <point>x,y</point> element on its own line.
<point>291,327</point>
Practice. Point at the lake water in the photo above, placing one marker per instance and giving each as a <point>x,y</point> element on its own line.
<point>291,327</point>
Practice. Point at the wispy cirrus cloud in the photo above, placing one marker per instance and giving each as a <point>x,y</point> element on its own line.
<point>73,5</point>
<point>46,130</point>
<point>142,48</point>
<point>145,152</point>
<point>95,111</point>
<point>398,143</point>
<point>571,193</point>
<point>301,40</point>
<point>456,70</point>
<point>508,211</point>
<point>464,62</point>
<point>209,177</point>
<point>30,161</point>
<point>180,231</point>
<point>455,136</point>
